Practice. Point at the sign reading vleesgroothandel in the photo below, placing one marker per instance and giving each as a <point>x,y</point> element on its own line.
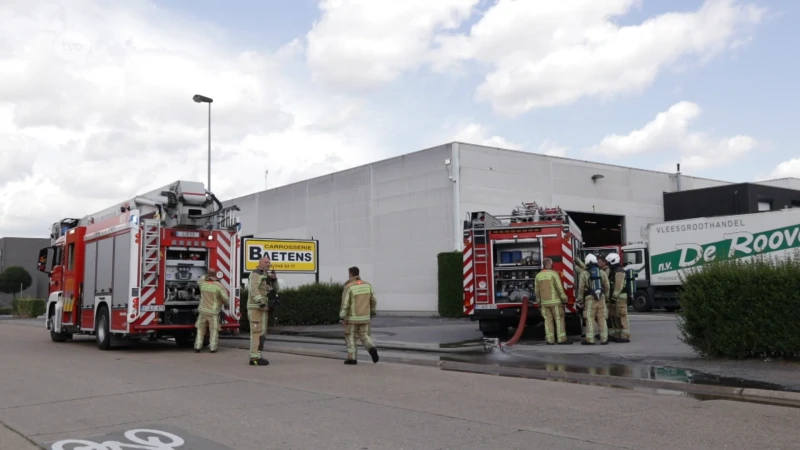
<point>680,245</point>
<point>286,255</point>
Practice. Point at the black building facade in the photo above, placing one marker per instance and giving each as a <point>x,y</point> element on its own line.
<point>742,198</point>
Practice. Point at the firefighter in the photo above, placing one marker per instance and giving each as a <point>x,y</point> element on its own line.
<point>593,287</point>
<point>580,267</point>
<point>358,308</point>
<point>551,297</point>
<point>611,312</point>
<point>619,299</point>
<point>212,297</point>
<point>259,285</point>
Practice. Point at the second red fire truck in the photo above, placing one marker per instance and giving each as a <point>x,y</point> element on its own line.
<point>503,254</point>
<point>132,271</point>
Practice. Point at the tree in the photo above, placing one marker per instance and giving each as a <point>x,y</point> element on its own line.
<point>15,279</point>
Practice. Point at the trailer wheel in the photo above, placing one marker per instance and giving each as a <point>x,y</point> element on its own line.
<point>55,336</point>
<point>642,302</point>
<point>102,331</point>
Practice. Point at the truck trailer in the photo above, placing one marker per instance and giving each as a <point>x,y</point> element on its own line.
<point>676,247</point>
<point>132,270</point>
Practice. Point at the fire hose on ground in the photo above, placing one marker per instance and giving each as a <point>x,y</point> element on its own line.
<point>490,344</point>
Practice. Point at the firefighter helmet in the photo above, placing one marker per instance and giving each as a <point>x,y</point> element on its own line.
<point>612,258</point>
<point>590,259</point>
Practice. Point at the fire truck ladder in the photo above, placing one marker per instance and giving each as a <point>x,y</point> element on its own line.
<point>151,252</point>
<point>480,259</point>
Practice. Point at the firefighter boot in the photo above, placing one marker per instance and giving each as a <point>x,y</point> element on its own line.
<point>258,362</point>
<point>350,362</point>
<point>374,353</point>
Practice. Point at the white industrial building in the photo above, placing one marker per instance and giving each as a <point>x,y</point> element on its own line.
<point>391,218</point>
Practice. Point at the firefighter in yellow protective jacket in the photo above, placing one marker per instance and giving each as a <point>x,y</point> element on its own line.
<point>593,287</point>
<point>618,300</point>
<point>358,308</point>
<point>259,286</point>
<point>611,313</point>
<point>551,297</point>
<point>212,296</point>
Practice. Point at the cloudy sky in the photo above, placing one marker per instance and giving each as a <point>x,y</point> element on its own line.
<point>96,96</point>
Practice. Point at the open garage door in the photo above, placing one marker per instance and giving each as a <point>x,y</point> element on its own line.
<point>599,230</point>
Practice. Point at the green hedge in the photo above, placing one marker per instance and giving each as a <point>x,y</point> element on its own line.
<point>6,311</point>
<point>451,284</point>
<point>28,307</point>
<point>742,309</point>
<point>309,304</point>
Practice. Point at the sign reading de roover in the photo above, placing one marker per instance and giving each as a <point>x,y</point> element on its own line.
<point>287,255</point>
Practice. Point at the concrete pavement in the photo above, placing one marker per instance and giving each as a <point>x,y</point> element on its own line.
<point>54,392</point>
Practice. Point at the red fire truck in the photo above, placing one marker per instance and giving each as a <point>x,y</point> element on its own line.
<point>131,271</point>
<point>503,254</point>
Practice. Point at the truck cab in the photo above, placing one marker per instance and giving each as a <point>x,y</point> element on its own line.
<point>636,256</point>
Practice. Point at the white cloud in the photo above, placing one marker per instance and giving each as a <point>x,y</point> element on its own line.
<point>360,44</point>
<point>96,106</point>
<point>550,148</point>
<point>475,133</point>
<point>669,133</point>
<point>545,54</point>
<point>786,169</point>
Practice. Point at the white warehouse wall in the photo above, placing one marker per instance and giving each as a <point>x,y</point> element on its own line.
<point>390,218</point>
<point>788,183</point>
<point>496,180</point>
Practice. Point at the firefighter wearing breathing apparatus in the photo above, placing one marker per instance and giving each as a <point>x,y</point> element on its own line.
<point>593,286</point>
<point>212,297</point>
<point>618,300</point>
<point>611,313</point>
<point>259,286</point>
<point>551,297</point>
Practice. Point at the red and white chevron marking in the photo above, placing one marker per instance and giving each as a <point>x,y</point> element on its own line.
<point>569,271</point>
<point>225,259</point>
<point>469,278</point>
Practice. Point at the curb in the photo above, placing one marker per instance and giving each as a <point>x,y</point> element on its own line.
<point>388,345</point>
<point>756,395</point>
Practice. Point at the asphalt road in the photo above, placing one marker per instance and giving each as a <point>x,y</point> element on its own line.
<point>56,392</point>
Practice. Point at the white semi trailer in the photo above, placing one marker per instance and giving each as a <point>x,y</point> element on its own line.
<point>673,247</point>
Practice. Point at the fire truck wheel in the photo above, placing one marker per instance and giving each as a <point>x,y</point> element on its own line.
<point>184,340</point>
<point>54,336</point>
<point>102,331</point>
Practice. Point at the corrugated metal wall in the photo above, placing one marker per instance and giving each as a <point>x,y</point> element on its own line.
<point>496,180</point>
<point>390,219</point>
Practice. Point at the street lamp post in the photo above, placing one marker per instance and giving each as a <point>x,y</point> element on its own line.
<point>203,99</point>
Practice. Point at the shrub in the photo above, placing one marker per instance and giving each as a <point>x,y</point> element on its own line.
<point>5,311</point>
<point>740,309</point>
<point>28,307</point>
<point>309,304</point>
<point>451,284</point>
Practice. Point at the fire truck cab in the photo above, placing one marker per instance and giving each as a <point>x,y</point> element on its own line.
<point>132,271</point>
<point>503,254</point>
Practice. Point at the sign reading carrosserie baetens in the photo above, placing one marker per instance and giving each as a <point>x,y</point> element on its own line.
<point>286,255</point>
